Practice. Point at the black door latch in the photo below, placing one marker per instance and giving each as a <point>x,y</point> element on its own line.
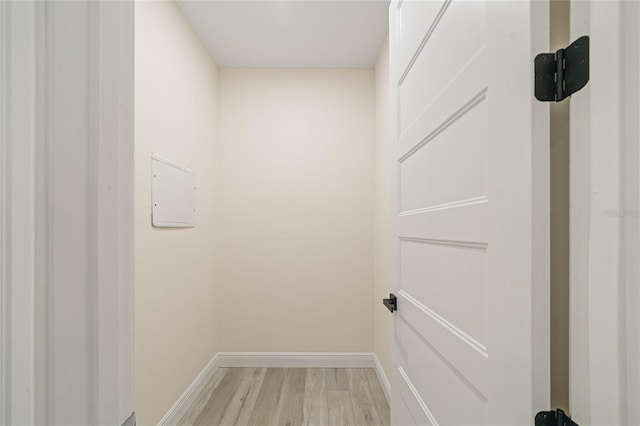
<point>391,303</point>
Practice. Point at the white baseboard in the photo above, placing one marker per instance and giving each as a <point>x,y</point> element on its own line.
<point>274,360</point>
<point>297,359</point>
<point>382,378</point>
<point>189,396</point>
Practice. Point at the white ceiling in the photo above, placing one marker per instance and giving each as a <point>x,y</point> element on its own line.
<point>290,33</point>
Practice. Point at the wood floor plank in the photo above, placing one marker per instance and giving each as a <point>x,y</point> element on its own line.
<point>291,397</point>
<point>201,401</point>
<point>291,406</point>
<point>364,407</point>
<point>316,411</point>
<point>265,411</point>
<point>239,409</point>
<point>379,400</point>
<point>340,409</point>
<point>337,379</point>
<point>216,405</point>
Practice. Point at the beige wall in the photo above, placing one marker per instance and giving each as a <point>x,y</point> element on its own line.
<point>296,204</point>
<point>383,320</point>
<point>175,116</point>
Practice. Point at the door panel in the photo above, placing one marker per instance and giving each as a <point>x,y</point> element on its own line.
<point>465,178</point>
<point>471,213</point>
<point>413,29</point>
<point>444,386</point>
<point>426,276</point>
<point>424,79</point>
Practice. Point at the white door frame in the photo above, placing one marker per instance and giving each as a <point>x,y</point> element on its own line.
<point>630,194</point>
<point>604,216</point>
<point>66,146</point>
<point>18,209</point>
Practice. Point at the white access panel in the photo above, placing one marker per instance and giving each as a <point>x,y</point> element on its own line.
<point>173,193</point>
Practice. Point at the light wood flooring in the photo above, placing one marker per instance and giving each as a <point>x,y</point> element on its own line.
<point>290,396</point>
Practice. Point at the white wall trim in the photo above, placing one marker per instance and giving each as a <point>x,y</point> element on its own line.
<point>112,133</point>
<point>297,359</point>
<point>274,360</point>
<point>189,396</point>
<point>49,79</point>
<point>382,378</point>
<point>4,258</point>
<point>604,229</point>
<point>630,200</point>
<point>18,171</point>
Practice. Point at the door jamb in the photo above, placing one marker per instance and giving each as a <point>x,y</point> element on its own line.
<point>29,190</point>
<point>605,211</point>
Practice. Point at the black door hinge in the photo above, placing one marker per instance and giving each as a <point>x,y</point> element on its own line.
<point>561,74</point>
<point>554,418</point>
<point>391,303</point>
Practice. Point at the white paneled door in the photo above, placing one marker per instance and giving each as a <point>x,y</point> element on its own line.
<point>471,213</point>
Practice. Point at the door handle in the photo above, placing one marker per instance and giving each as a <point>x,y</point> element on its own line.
<point>391,303</point>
